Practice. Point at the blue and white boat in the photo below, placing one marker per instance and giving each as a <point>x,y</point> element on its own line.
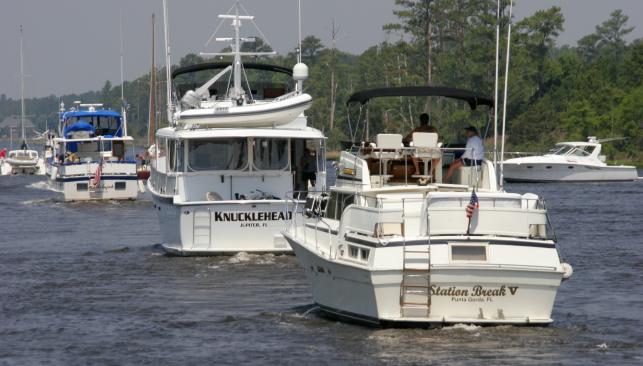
<point>93,155</point>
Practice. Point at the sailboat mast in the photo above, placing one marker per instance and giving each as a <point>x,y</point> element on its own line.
<point>495,108</point>
<point>22,93</point>
<point>168,64</point>
<point>151,127</point>
<point>504,101</point>
<point>123,109</point>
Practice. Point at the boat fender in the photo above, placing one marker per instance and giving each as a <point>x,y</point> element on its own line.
<point>567,271</point>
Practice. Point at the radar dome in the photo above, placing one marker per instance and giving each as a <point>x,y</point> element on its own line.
<point>300,72</point>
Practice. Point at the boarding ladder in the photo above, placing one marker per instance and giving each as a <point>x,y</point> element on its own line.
<point>415,291</point>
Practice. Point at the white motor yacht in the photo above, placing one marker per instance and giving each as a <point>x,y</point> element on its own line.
<point>388,245</point>
<point>221,173</point>
<point>92,159</point>
<point>568,162</point>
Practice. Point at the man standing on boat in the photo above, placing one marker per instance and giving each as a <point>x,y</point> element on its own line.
<point>473,154</point>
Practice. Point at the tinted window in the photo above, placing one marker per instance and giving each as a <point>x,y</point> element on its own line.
<point>217,154</point>
<point>270,154</point>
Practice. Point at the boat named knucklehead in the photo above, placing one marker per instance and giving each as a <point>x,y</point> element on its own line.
<point>392,242</point>
<point>237,145</point>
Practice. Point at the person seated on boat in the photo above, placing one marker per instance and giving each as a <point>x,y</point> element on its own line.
<point>473,154</point>
<point>3,153</point>
<point>72,158</point>
<point>423,127</point>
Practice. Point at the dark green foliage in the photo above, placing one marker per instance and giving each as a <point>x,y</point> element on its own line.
<point>555,93</point>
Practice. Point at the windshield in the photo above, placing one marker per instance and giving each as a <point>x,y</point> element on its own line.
<point>217,154</point>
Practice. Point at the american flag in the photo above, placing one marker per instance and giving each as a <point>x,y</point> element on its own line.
<point>473,204</point>
<point>97,174</point>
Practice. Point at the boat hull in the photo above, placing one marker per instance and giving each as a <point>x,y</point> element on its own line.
<point>548,172</point>
<point>119,182</point>
<point>372,296</point>
<point>221,228</point>
<point>262,115</point>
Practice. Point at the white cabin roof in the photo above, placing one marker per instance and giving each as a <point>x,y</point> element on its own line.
<point>304,133</point>
<point>577,143</point>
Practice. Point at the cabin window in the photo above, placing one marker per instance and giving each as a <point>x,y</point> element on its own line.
<point>468,252</point>
<point>353,251</point>
<point>119,186</point>
<point>337,203</point>
<point>174,156</point>
<point>81,187</point>
<point>364,253</point>
<point>217,154</point>
<point>270,154</point>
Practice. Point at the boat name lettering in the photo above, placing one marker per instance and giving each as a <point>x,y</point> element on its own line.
<point>476,290</point>
<point>251,216</point>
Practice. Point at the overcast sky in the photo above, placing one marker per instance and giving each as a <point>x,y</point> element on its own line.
<point>73,45</point>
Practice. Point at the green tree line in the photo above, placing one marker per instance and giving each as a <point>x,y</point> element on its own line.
<point>556,93</point>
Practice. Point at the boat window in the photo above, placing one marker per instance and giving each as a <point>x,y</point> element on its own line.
<point>589,149</point>
<point>337,203</point>
<point>364,253</point>
<point>580,152</point>
<point>468,253</point>
<point>175,156</point>
<point>217,154</point>
<point>353,251</point>
<point>564,150</point>
<point>270,154</point>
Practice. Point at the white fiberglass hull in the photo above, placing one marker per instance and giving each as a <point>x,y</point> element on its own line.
<point>221,228</point>
<point>251,115</point>
<point>22,166</point>
<point>112,186</point>
<point>460,294</point>
<point>568,172</point>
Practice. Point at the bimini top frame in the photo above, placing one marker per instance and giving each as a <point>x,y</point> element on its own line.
<point>473,98</point>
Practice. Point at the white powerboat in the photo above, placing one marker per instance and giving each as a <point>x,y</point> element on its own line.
<point>222,172</point>
<point>92,159</point>
<point>388,245</point>
<point>568,162</point>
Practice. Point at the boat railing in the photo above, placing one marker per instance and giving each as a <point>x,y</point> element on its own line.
<point>379,220</point>
<point>163,183</point>
<point>375,161</point>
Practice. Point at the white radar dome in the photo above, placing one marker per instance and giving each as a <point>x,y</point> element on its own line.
<point>300,72</point>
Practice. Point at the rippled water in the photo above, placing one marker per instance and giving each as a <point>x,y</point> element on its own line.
<point>87,284</point>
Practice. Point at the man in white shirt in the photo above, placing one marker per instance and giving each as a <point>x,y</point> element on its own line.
<point>473,154</point>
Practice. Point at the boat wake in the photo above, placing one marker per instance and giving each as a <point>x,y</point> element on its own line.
<point>40,185</point>
<point>244,257</point>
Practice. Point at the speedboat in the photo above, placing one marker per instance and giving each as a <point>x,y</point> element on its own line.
<point>221,174</point>
<point>92,159</point>
<point>568,162</point>
<point>388,245</point>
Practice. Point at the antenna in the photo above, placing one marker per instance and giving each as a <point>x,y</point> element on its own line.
<point>168,62</point>
<point>504,101</point>
<point>495,109</point>
<point>299,21</point>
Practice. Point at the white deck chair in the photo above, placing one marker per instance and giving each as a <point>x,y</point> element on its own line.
<point>426,148</point>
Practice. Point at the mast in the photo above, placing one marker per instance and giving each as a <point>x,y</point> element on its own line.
<point>168,63</point>
<point>22,94</point>
<point>123,107</point>
<point>504,101</point>
<point>151,127</point>
<point>495,108</point>
<point>237,91</point>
